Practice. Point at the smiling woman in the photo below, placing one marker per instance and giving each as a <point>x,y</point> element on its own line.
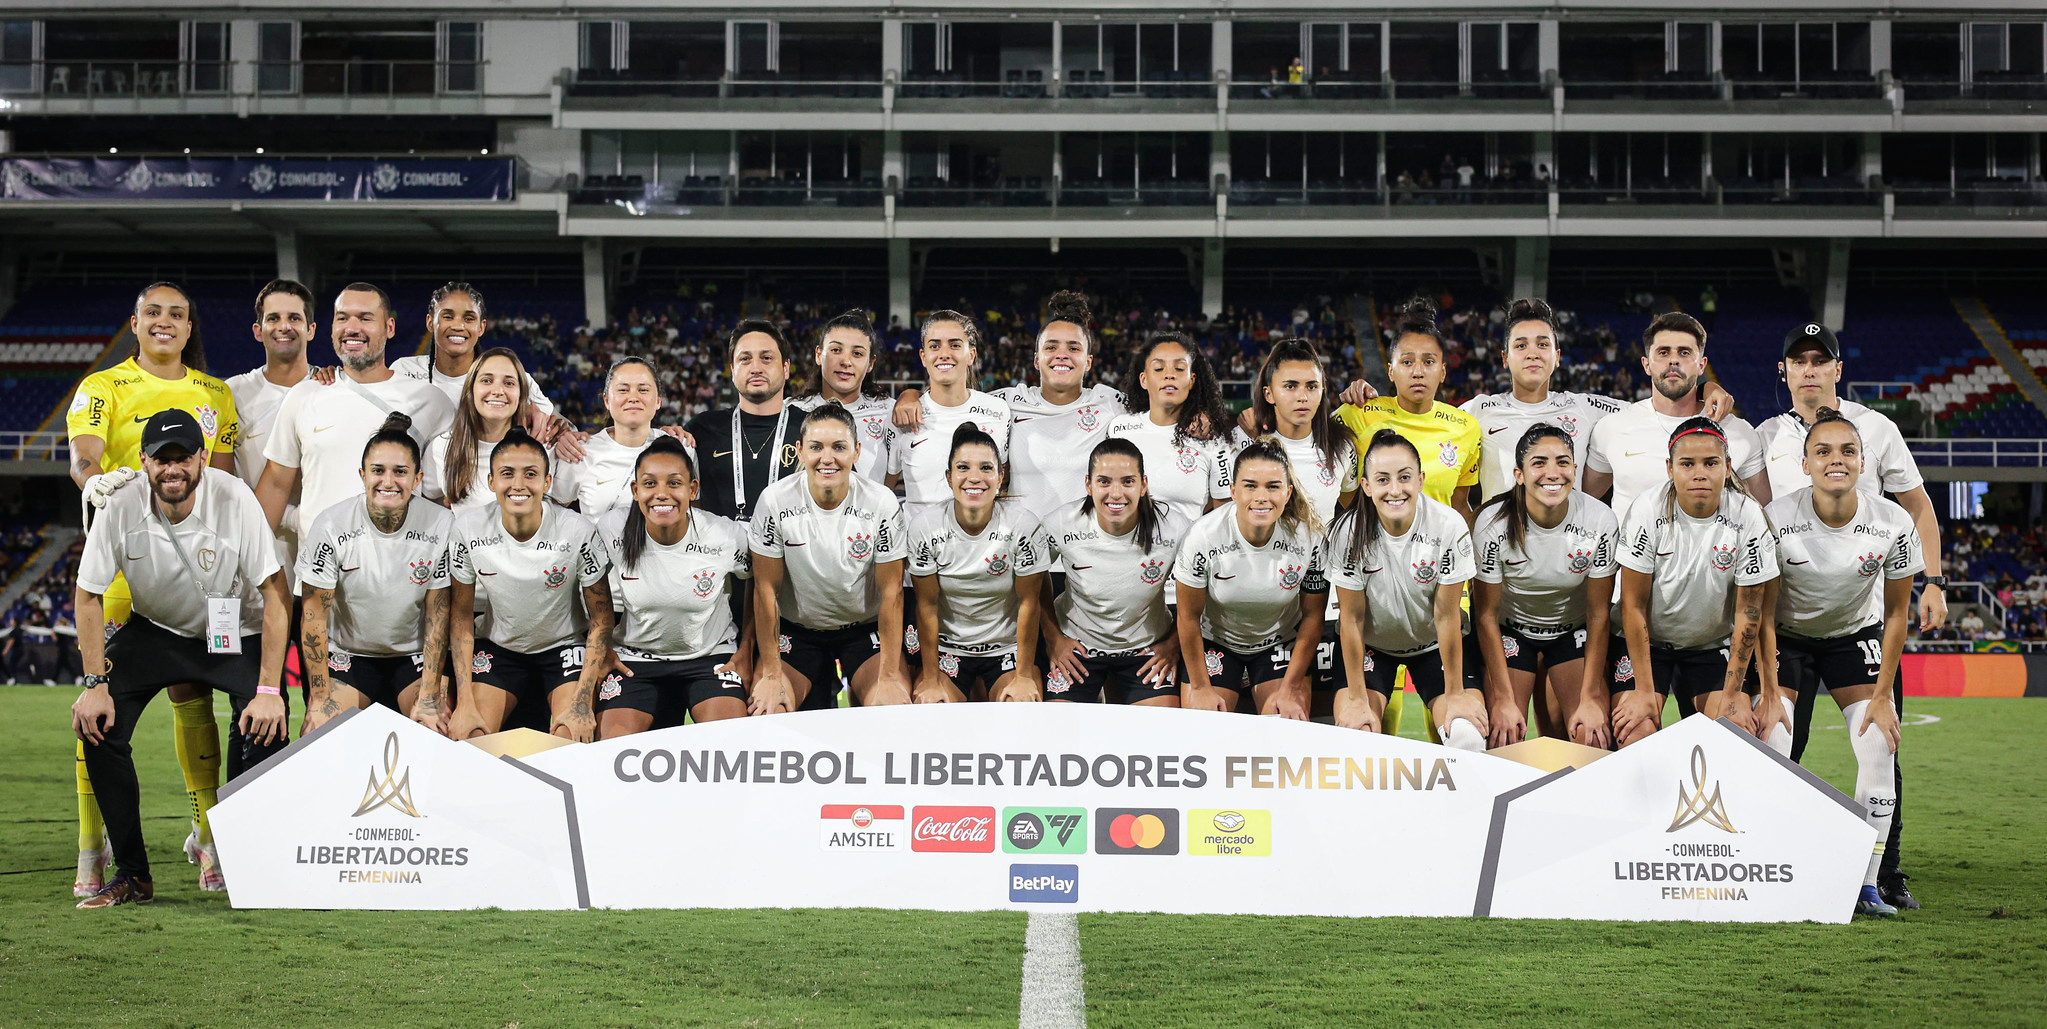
<point>494,397</point>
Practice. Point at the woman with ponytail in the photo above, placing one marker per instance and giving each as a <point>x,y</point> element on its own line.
<point>977,564</point>
<point>1695,558</point>
<point>1399,560</point>
<point>1251,592</point>
<point>1540,599</point>
<point>1841,612</point>
<point>1446,438</point>
<point>679,650</point>
<point>374,573</point>
<point>494,398</point>
<point>534,573</point>
<point>1111,628</point>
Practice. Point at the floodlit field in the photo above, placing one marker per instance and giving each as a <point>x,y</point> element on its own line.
<point>1976,956</point>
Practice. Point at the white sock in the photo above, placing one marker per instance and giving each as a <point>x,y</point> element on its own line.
<point>1779,736</point>
<point>1875,786</point>
<point>1461,734</point>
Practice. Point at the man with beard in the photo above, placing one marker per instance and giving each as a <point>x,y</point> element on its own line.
<point>1626,454</point>
<point>210,610</point>
<point>741,450</point>
<point>316,443</point>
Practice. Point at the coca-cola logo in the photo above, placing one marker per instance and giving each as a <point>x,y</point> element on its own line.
<point>955,830</point>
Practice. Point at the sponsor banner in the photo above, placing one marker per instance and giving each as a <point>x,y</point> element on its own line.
<point>991,807</point>
<point>375,811</point>
<point>254,178</point>
<point>1974,675</point>
<point>1698,822</point>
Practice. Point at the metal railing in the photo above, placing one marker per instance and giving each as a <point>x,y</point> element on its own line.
<point>125,79</point>
<point>1979,452</point>
<point>1987,86</point>
<point>370,78</point>
<point>39,445</point>
<point>588,83</point>
<point>1860,391</point>
<point>145,79</point>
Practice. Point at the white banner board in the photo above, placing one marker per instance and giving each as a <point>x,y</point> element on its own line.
<point>1698,822</point>
<point>375,811</point>
<point>964,807</point>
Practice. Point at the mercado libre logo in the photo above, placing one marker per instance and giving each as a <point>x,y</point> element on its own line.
<point>1137,830</point>
<point>1044,830</point>
<point>392,789</point>
<point>1232,832</point>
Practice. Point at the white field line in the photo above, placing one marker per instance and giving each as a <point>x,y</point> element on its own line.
<point>1052,993</point>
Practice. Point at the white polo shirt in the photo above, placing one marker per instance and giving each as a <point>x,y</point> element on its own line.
<point>225,536</point>
<point>1887,465</point>
<point>321,431</point>
<point>1633,444</point>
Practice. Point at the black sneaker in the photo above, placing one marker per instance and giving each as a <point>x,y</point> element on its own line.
<point>1895,892</point>
<point>121,889</point>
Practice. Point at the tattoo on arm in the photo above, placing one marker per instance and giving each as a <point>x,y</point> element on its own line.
<point>313,647</point>
<point>434,646</point>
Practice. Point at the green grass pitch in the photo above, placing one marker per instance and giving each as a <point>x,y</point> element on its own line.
<point>1976,956</point>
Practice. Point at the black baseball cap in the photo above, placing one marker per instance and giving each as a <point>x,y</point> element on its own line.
<point>172,427</point>
<point>1812,336</point>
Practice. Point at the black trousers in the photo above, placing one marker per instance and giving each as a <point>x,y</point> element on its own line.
<point>1801,731</point>
<point>143,660</point>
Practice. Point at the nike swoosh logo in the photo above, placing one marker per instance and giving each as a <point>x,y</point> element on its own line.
<point>142,418</point>
<point>1078,568</point>
<point>915,443</point>
<point>1020,421</point>
<point>1500,429</point>
<point>1788,561</point>
<point>357,567</point>
<point>720,453</point>
<point>322,428</point>
<point>1372,571</point>
<point>630,578</point>
<point>795,544</point>
<point>1665,553</point>
<point>607,482</point>
<point>1225,576</point>
<point>482,572</point>
<point>1634,453</point>
<point>1512,564</point>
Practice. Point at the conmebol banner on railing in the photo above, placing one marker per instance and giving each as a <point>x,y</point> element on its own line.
<point>254,178</point>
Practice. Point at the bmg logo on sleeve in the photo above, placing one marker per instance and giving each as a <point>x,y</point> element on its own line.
<point>1044,884</point>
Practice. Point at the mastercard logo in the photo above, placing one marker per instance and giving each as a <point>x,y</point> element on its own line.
<point>1150,831</point>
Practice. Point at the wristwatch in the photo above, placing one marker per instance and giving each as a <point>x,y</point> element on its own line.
<point>92,682</point>
<point>1937,580</point>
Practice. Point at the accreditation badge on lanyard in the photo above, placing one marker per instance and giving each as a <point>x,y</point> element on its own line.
<point>739,503</point>
<point>223,613</point>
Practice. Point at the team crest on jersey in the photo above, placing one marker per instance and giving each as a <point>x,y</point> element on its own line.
<point>480,663</point>
<point>706,581</point>
<point>873,426</point>
<point>1188,459</point>
<point>1215,662</point>
<point>1569,424</point>
<point>421,572</point>
<point>1581,560</point>
<point>1057,682</point>
<point>209,419</point>
<point>859,545</point>
<point>1289,577</point>
<point>782,643</point>
<point>1511,645</point>
<point>338,661</point>
<point>1624,669</point>
<point>997,564</point>
<point>910,644</point>
<point>949,664</point>
<point>1088,419</point>
<point>611,688</point>
<point>1150,572</point>
<point>555,577</point>
<point>1325,473</point>
<point>1723,557</point>
<point>1425,571</point>
<point>1447,453</point>
<point>1869,564</point>
<point>1368,662</point>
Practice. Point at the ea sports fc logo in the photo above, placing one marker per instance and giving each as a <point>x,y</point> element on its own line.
<point>1149,831</point>
<point>1723,557</point>
<point>859,545</point>
<point>1868,564</point>
<point>1150,572</point>
<point>555,577</point>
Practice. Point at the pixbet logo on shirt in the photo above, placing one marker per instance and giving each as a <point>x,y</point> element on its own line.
<point>953,830</point>
<point>843,827</point>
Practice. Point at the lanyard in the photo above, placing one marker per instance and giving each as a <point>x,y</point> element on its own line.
<point>739,457</point>
<point>179,548</point>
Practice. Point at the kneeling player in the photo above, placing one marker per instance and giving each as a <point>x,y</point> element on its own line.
<point>977,561</point>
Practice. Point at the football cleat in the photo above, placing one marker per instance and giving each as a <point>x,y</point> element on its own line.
<point>92,870</point>
<point>123,889</point>
<point>1872,903</point>
<point>1895,893</point>
<point>208,860</point>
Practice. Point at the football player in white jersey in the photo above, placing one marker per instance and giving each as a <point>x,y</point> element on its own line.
<point>828,548</point>
<point>494,398</point>
<point>1812,369</point>
<point>678,570</point>
<point>1540,606</point>
<point>916,459</point>
<point>455,318</point>
<point>1111,628</point>
<point>843,358</point>
<point>374,575</point>
<point>1175,415</point>
<point>1695,558</point>
<point>1399,560</point>
<point>1833,626</point>
<point>535,574</point>
<point>1531,357</point>
<point>976,563</point>
<point>603,479</point>
<point>1625,455</point>
<point>1251,593</point>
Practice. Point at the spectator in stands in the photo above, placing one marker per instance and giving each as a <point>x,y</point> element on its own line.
<point>1971,624</point>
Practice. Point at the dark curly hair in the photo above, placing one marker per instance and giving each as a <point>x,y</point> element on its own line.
<point>1202,416</point>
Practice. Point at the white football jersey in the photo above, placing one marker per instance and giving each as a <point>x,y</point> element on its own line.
<point>320,430</point>
<point>435,485</point>
<point>529,595</point>
<point>380,582</point>
<point>1544,578</point>
<point>1505,419</point>
<point>678,598</point>
<point>1323,480</point>
<point>1633,444</point>
<point>873,421</point>
<point>1887,465</point>
<point>1116,591</point>
<point>1832,577</point>
<point>1698,563</point>
<point>1185,475</point>
<point>420,368</point>
<point>1399,575</point>
<point>976,573</point>
<point>602,480</point>
<point>1050,443</point>
<point>1254,593</point>
<point>828,557</point>
<point>919,455</point>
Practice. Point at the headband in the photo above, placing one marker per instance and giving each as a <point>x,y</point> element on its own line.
<point>1713,432</point>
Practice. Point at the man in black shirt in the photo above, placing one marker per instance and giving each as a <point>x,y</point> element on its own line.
<point>740,450</point>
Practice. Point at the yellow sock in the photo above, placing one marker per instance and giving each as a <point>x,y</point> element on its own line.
<point>198,744</point>
<point>1390,720</point>
<point>92,831</point>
